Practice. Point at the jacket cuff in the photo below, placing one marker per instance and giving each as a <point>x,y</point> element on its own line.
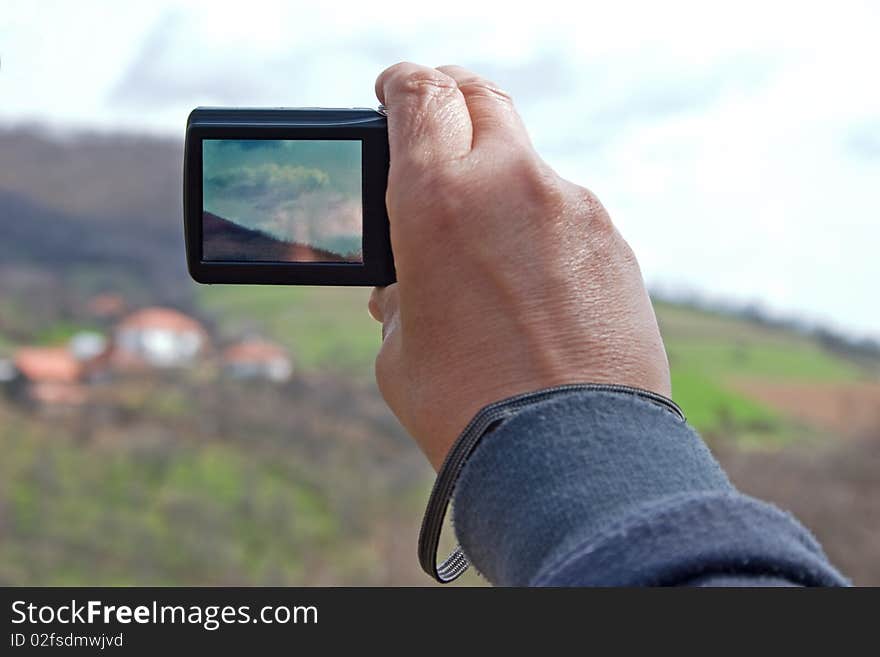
<point>557,473</point>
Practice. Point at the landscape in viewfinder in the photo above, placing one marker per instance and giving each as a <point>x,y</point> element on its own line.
<point>282,200</point>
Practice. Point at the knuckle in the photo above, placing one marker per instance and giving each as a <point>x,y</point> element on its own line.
<point>594,214</point>
<point>479,86</point>
<point>541,184</point>
<point>424,82</point>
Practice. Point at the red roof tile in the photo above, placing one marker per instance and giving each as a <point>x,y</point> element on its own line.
<point>48,364</point>
<point>162,318</point>
<point>253,350</point>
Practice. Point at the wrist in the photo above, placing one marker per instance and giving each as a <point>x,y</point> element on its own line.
<point>491,418</point>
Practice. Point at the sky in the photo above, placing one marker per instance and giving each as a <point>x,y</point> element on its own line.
<point>737,147</point>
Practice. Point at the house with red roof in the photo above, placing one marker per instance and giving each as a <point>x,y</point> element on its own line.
<point>256,358</point>
<point>158,338</point>
<point>48,376</point>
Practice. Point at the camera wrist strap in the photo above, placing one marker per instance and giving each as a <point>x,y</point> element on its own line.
<point>485,421</point>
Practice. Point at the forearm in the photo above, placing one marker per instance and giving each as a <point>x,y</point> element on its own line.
<point>598,488</point>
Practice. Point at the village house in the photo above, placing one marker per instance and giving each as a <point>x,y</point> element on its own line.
<point>256,358</point>
<point>93,352</point>
<point>48,376</point>
<point>157,337</point>
<point>146,339</point>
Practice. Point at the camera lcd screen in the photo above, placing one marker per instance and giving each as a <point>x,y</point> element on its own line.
<point>282,200</point>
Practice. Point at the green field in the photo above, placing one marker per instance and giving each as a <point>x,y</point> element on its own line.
<point>708,352</point>
<point>172,479</point>
<point>330,329</point>
<point>188,511</point>
<point>252,486</point>
<point>324,328</point>
<point>726,347</point>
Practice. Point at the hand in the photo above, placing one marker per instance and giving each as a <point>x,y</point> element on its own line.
<point>510,279</point>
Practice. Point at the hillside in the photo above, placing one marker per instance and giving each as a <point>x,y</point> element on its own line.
<point>726,368</point>
<point>223,239</point>
<point>183,478</point>
<point>105,179</point>
<point>718,362</point>
<point>172,482</point>
<point>86,213</point>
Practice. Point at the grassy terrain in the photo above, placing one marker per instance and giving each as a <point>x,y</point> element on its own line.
<point>707,352</point>
<point>714,409</point>
<point>184,478</point>
<point>329,329</point>
<point>324,328</point>
<point>252,485</point>
<point>726,347</point>
<point>210,514</point>
<point>181,479</point>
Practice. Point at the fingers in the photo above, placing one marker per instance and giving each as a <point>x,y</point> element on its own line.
<point>493,116</point>
<point>383,307</point>
<point>428,119</point>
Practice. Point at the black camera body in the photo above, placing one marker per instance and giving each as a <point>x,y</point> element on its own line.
<point>287,196</point>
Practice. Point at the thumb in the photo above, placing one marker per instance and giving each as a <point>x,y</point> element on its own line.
<point>384,305</point>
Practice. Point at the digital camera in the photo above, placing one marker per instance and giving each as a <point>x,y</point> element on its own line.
<point>287,196</point>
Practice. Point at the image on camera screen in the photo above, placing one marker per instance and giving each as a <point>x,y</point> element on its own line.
<point>282,200</point>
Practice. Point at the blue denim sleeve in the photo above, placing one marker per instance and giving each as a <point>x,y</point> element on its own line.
<point>607,489</point>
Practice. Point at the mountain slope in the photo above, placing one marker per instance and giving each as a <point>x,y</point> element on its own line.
<point>226,240</point>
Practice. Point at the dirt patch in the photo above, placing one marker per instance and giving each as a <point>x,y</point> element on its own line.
<point>834,491</point>
<point>845,409</point>
<point>833,488</point>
